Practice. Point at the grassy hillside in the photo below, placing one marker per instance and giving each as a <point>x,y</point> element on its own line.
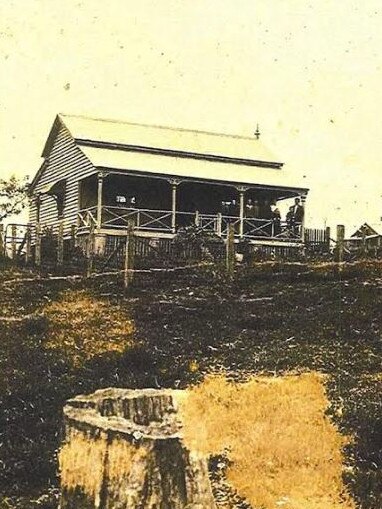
<point>61,338</point>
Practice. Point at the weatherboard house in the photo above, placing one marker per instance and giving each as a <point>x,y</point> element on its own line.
<point>106,175</point>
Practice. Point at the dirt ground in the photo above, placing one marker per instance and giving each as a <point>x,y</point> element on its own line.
<point>271,320</point>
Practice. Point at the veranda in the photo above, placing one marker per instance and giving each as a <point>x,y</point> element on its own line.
<point>159,207</point>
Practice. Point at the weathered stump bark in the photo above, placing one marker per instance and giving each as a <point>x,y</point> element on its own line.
<point>123,450</point>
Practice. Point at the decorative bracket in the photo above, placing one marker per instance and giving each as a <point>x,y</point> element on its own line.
<point>103,174</point>
<point>242,189</point>
<point>175,182</point>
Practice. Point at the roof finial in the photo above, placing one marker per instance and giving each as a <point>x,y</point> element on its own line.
<point>257,132</point>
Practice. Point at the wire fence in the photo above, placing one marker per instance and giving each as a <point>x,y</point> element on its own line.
<point>49,250</point>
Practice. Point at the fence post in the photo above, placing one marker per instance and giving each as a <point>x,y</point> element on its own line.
<point>340,243</point>
<point>60,244</point>
<point>2,246</point>
<point>90,251</point>
<point>28,245</point>
<point>129,255</point>
<point>13,240</point>
<point>327,238</point>
<point>230,250</point>
<point>38,245</point>
<point>197,218</point>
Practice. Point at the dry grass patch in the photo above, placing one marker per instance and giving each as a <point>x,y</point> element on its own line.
<point>284,450</point>
<point>82,326</point>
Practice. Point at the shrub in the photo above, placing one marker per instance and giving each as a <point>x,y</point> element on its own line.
<point>194,241</point>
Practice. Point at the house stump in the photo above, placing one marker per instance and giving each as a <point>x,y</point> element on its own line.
<point>123,448</point>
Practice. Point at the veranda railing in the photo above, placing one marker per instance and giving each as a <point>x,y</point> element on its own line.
<point>119,218</point>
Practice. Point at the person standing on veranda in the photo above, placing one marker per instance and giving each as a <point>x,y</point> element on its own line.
<point>276,218</point>
<point>298,213</point>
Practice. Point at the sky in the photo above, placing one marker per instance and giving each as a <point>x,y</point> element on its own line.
<point>308,72</point>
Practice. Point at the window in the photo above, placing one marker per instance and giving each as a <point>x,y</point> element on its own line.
<point>60,199</point>
<point>57,191</point>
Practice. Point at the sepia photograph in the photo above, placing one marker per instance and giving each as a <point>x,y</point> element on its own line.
<point>190,254</point>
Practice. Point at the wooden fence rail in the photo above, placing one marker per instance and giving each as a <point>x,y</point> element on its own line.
<point>65,250</point>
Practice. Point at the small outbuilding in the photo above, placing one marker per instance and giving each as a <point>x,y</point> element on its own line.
<point>364,238</point>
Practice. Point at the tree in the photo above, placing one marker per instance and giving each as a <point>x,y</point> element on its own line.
<point>13,196</point>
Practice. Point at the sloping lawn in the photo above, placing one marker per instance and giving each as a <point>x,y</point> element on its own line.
<point>270,320</point>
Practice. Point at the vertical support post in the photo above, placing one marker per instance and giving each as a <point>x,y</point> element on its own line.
<point>327,238</point>
<point>219,224</point>
<point>2,246</point>
<point>90,251</point>
<point>79,204</point>
<point>28,245</point>
<point>302,232</point>
<point>129,255</point>
<point>13,241</point>
<point>60,244</point>
<point>72,236</point>
<point>38,245</point>
<point>230,250</point>
<point>340,243</point>
<point>241,211</point>
<point>38,207</point>
<point>174,186</point>
<point>197,218</point>
<point>99,200</point>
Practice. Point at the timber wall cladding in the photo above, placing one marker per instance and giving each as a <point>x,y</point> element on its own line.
<point>66,161</point>
<point>123,448</point>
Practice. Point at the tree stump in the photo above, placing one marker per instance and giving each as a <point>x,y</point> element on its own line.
<point>123,449</point>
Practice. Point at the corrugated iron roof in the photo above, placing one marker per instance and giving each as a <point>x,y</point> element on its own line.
<point>174,152</point>
<point>167,138</point>
<point>188,168</point>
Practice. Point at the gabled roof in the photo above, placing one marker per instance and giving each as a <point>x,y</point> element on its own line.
<point>100,132</point>
<point>366,230</point>
<point>169,152</point>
